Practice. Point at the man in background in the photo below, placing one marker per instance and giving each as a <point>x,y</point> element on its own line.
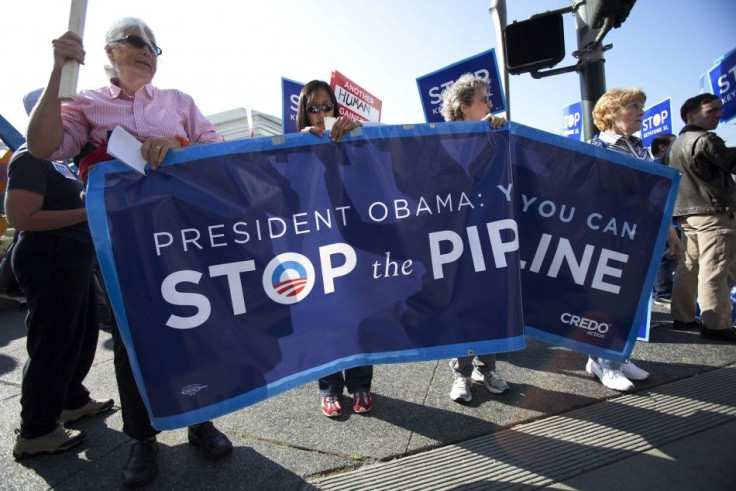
<point>705,207</point>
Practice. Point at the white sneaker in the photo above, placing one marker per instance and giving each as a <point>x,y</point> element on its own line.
<point>613,379</point>
<point>492,381</point>
<point>461,390</point>
<point>632,372</point>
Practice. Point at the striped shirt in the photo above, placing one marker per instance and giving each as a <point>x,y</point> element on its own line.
<point>150,113</point>
<point>629,145</point>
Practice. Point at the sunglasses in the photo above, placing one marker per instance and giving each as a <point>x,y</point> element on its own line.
<point>138,42</point>
<point>324,108</point>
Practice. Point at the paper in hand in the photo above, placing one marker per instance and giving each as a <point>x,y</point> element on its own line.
<point>127,149</point>
<point>329,121</point>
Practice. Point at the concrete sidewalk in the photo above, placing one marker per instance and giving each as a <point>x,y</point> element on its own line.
<point>559,427</point>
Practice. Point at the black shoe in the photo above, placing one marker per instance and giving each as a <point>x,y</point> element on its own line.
<point>211,442</point>
<point>141,466</point>
<point>728,334</point>
<point>687,326</point>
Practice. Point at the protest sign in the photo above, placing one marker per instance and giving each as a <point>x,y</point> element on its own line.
<point>353,101</point>
<point>483,65</point>
<point>289,104</point>
<point>657,120</point>
<point>572,121</point>
<point>722,79</point>
<point>245,268</point>
<point>239,270</point>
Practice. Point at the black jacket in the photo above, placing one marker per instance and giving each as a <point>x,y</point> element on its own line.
<point>705,164</point>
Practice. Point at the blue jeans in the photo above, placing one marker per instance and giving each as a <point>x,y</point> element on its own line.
<point>665,275</point>
<point>356,379</point>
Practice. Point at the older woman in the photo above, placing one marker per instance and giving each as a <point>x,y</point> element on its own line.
<point>617,115</point>
<point>317,100</point>
<point>162,120</point>
<point>468,100</point>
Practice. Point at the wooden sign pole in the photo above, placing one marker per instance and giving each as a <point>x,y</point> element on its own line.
<point>70,70</point>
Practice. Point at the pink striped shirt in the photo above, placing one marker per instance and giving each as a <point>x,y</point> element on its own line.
<point>151,113</point>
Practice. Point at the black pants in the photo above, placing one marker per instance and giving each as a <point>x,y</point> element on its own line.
<point>55,274</point>
<point>136,423</point>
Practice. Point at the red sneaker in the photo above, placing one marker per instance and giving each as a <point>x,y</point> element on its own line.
<point>362,402</point>
<point>331,406</point>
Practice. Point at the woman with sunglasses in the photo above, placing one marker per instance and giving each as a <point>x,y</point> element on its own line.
<point>161,120</point>
<point>317,101</point>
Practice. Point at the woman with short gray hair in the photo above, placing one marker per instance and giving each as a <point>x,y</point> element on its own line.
<point>468,100</point>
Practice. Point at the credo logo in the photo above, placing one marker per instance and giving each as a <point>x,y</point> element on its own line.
<point>288,278</point>
<point>594,328</point>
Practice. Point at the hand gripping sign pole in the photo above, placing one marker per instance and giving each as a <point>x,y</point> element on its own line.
<point>70,70</point>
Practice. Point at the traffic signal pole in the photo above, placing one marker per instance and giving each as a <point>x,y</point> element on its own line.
<point>523,52</point>
<point>498,13</point>
<point>591,67</point>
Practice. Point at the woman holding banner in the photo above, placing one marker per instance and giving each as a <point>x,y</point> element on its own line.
<point>617,115</point>
<point>317,100</point>
<point>161,120</point>
<point>468,100</point>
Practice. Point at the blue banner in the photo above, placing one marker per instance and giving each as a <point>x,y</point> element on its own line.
<point>289,104</point>
<point>484,65</point>
<point>572,121</point>
<point>656,121</point>
<point>588,254</point>
<point>243,269</point>
<point>723,81</point>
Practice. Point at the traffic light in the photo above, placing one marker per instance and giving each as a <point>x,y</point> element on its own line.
<point>535,43</point>
<point>615,10</point>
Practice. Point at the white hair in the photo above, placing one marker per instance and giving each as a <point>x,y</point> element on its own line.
<point>122,28</point>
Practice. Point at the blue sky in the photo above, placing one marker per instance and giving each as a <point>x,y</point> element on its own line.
<point>233,54</point>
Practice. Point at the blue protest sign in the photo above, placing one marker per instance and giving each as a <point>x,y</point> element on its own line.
<point>9,135</point>
<point>723,81</point>
<point>289,104</point>
<point>656,121</point>
<point>239,270</point>
<point>572,121</point>
<point>483,65</point>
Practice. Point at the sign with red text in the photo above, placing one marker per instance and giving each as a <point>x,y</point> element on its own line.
<point>353,101</point>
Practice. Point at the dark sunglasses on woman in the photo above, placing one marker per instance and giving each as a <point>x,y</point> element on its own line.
<point>327,108</point>
<point>138,42</point>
